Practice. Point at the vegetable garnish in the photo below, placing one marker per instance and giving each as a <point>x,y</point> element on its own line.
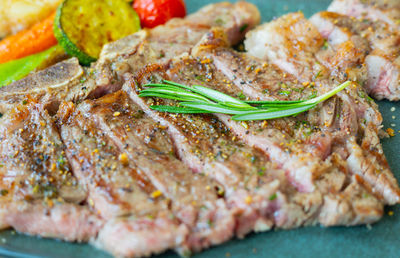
<point>198,99</point>
<point>18,69</point>
<point>84,27</point>
<point>156,12</point>
<point>31,41</point>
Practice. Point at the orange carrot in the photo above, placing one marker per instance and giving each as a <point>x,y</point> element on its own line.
<point>33,40</point>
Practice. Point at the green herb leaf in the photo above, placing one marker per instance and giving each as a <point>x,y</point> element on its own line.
<point>328,94</point>
<point>182,95</point>
<point>179,110</point>
<point>214,108</point>
<point>199,99</point>
<point>271,113</point>
<point>267,102</point>
<point>217,96</point>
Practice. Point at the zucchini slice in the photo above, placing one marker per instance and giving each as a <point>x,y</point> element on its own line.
<point>83,27</point>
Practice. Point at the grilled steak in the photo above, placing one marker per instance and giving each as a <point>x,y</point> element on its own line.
<point>208,148</point>
<point>67,81</point>
<point>104,167</point>
<point>282,43</point>
<point>387,11</point>
<point>363,51</point>
<point>340,120</point>
<point>125,187</point>
<point>178,36</point>
<point>296,46</point>
<point>49,87</point>
<point>379,50</point>
<point>115,187</point>
<point>359,120</point>
<point>39,194</point>
<point>191,133</point>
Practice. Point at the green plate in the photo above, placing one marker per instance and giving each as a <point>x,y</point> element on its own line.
<point>380,240</point>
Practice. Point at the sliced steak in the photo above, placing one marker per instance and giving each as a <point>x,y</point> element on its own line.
<point>95,161</point>
<point>359,118</point>
<point>149,147</point>
<point>383,63</point>
<point>33,161</point>
<point>137,182</point>
<point>39,193</point>
<point>282,43</point>
<point>203,142</point>
<point>145,147</point>
<point>176,37</point>
<point>324,134</point>
<point>115,187</point>
<point>297,47</point>
<point>141,237</point>
<point>382,50</point>
<point>62,220</point>
<point>208,148</point>
<point>387,11</point>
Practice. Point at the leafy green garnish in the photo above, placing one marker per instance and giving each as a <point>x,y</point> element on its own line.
<point>18,69</point>
<point>199,99</point>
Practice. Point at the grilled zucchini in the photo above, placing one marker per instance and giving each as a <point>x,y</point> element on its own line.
<point>84,27</point>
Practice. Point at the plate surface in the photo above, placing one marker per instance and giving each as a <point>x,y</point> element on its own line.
<point>380,240</point>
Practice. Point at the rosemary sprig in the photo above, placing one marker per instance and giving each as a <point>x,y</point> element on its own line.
<point>198,99</point>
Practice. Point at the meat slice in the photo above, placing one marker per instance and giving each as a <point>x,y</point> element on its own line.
<point>144,150</point>
<point>95,162</point>
<point>49,87</point>
<point>381,50</point>
<point>176,37</point>
<point>297,47</point>
<point>62,220</point>
<point>359,118</point>
<point>147,144</point>
<point>378,21</point>
<point>255,186</point>
<point>39,193</point>
<point>208,148</point>
<point>328,130</point>
<point>387,11</point>
<point>366,52</point>
<point>140,237</point>
<point>116,189</point>
<point>282,43</point>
